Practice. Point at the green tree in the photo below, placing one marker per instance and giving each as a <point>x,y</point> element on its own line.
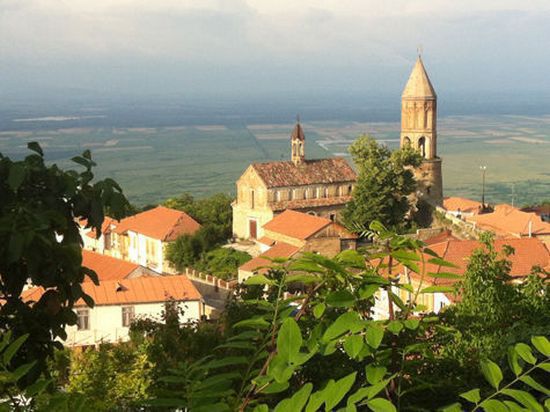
<point>40,206</point>
<point>222,262</point>
<point>384,181</point>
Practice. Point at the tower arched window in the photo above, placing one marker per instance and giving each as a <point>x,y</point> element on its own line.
<point>406,141</point>
<point>422,146</point>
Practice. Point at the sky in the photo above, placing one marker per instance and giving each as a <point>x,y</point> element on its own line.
<point>276,47</point>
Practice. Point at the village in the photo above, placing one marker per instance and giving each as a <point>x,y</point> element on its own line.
<point>282,210</point>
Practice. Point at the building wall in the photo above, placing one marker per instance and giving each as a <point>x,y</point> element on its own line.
<point>105,322</point>
<point>251,204</point>
<point>430,181</point>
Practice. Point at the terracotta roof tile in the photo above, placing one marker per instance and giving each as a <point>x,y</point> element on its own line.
<point>309,203</point>
<point>441,237</point>
<point>107,267</point>
<point>159,223</point>
<point>280,250</point>
<point>297,225</point>
<point>454,204</point>
<point>281,174</point>
<point>264,240</point>
<point>145,289</point>
<point>507,220</point>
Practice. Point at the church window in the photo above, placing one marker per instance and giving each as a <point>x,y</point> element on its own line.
<point>422,146</point>
<point>406,141</point>
<point>252,199</point>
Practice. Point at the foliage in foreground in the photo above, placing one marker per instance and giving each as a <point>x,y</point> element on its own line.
<point>40,242</point>
<point>308,341</point>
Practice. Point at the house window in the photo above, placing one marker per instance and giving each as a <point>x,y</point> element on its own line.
<point>83,319</point>
<point>332,217</point>
<point>304,193</point>
<point>350,188</point>
<point>127,315</point>
<point>325,191</point>
<point>252,199</point>
<point>290,194</point>
<point>277,195</point>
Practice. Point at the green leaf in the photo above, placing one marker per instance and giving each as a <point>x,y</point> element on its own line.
<point>340,299</point>
<point>13,347</point>
<point>38,387</point>
<point>275,387</point>
<point>258,280</point>
<point>403,255</point>
<point>348,321</point>
<point>318,310</point>
<point>528,380</point>
<point>289,339</point>
<point>35,147</point>
<point>438,289</point>
<point>525,398</point>
<point>381,405</point>
<point>367,291</point>
<point>261,408</point>
<point>525,353</point>
<point>492,405</point>
<point>544,366</point>
<point>411,324</point>
<point>23,370</point>
<point>444,275</point>
<point>227,361</point>
<point>492,373</point>
<point>455,407</point>
<point>513,361</point>
<point>375,373</point>
<point>306,279</point>
<point>254,323</point>
<point>374,335</point>
<point>395,327</point>
<point>514,407</point>
<point>442,262</point>
<point>334,393</point>
<point>297,402</point>
<point>541,344</point>
<point>16,176</point>
<point>353,345</point>
<point>471,396</point>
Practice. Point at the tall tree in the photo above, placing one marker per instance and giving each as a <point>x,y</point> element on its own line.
<point>385,180</point>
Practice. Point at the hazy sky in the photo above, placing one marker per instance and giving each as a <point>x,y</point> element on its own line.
<point>276,46</point>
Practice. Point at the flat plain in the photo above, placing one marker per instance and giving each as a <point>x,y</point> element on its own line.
<point>154,163</point>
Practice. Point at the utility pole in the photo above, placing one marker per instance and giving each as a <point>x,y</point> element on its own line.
<point>513,193</point>
<point>483,169</point>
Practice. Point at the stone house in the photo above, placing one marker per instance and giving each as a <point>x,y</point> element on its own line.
<point>293,232</point>
<point>319,187</point>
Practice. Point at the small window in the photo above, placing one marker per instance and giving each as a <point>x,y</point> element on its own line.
<point>350,188</point>
<point>252,199</point>
<point>332,217</point>
<point>291,194</point>
<point>325,192</point>
<point>128,315</point>
<point>83,319</point>
<point>305,193</point>
<point>277,195</point>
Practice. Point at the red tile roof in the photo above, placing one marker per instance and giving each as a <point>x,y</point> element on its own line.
<point>454,204</point>
<point>264,240</point>
<point>296,224</point>
<point>145,289</point>
<point>441,237</point>
<point>281,174</point>
<point>507,220</point>
<point>280,250</point>
<point>298,204</point>
<point>107,267</point>
<point>159,223</point>
<point>105,227</point>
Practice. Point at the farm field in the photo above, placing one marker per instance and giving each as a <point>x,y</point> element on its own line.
<point>154,163</point>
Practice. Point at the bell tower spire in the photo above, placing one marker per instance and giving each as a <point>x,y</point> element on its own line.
<point>297,143</point>
<point>419,130</point>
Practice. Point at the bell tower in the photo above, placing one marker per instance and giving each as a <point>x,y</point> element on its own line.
<point>297,143</point>
<point>419,130</point>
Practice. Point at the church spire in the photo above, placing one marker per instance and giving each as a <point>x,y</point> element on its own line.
<point>419,85</point>
<point>297,143</point>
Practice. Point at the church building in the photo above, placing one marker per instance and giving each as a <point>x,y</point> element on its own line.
<point>320,187</point>
<point>418,128</point>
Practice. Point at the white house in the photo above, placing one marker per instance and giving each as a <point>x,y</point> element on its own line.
<point>119,302</point>
<point>141,238</point>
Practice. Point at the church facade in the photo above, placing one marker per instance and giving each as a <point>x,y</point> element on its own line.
<point>419,130</point>
<point>320,187</point>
